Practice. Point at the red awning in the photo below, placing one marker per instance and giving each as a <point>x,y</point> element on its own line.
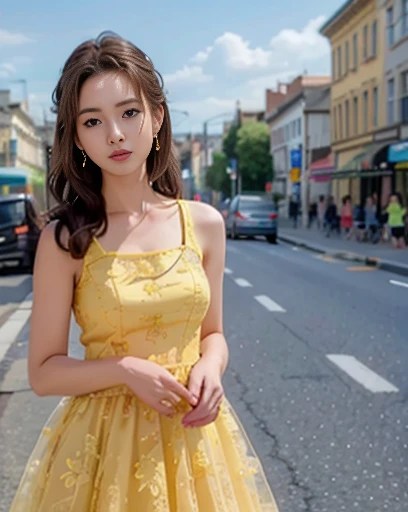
<point>324,164</point>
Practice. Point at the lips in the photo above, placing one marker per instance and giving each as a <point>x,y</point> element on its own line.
<point>119,152</point>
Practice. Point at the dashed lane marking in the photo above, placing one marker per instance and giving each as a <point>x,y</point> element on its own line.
<point>10,330</point>
<point>399,283</point>
<point>243,282</point>
<point>362,268</point>
<point>227,270</point>
<point>269,304</point>
<point>362,374</point>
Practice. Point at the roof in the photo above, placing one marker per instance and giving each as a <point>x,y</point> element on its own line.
<point>285,106</point>
<point>336,15</point>
<point>318,99</point>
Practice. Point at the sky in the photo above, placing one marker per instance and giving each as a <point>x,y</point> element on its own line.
<point>210,53</point>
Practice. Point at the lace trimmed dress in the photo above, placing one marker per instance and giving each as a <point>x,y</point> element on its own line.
<point>108,451</point>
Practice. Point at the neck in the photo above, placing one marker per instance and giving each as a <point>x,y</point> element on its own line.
<point>127,194</point>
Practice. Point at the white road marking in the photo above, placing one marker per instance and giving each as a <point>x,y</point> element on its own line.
<point>269,304</point>
<point>243,282</point>
<point>362,374</point>
<point>227,270</point>
<point>10,330</point>
<point>295,248</point>
<point>399,283</point>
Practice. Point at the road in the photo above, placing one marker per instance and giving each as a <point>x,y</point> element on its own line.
<point>317,375</point>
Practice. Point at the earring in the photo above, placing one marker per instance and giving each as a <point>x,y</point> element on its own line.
<point>151,183</point>
<point>83,152</point>
<point>157,143</point>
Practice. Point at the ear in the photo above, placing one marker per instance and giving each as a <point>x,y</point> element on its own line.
<point>78,143</point>
<point>158,117</point>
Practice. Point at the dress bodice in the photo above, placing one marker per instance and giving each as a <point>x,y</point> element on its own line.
<point>149,305</point>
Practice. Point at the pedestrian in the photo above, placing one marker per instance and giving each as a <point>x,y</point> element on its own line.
<point>144,426</point>
<point>396,220</point>
<point>321,210</point>
<point>346,216</point>
<point>331,218</point>
<point>294,210</point>
<point>371,220</point>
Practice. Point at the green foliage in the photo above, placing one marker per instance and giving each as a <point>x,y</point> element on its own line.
<point>254,159</point>
<point>229,144</point>
<point>217,177</point>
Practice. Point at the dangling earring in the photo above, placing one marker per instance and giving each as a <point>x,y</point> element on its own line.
<point>83,152</point>
<point>150,183</point>
<point>157,143</point>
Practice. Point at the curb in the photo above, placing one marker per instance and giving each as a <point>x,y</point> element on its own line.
<point>390,266</point>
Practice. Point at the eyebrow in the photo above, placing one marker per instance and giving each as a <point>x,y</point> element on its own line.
<point>120,104</point>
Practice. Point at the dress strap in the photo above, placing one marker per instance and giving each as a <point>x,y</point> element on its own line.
<point>189,237</point>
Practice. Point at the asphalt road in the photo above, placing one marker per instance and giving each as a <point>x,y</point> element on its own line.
<point>331,431</point>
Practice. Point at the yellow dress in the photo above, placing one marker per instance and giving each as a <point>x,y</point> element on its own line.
<point>108,451</point>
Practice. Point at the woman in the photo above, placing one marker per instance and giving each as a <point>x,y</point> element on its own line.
<point>346,216</point>
<point>146,427</point>
<point>396,220</point>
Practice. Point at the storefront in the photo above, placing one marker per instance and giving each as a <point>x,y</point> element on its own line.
<point>398,161</point>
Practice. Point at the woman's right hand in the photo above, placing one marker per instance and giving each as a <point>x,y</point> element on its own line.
<point>154,385</point>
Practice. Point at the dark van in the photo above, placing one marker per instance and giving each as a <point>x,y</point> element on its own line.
<point>20,230</point>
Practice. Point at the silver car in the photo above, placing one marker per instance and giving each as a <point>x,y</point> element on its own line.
<point>252,216</point>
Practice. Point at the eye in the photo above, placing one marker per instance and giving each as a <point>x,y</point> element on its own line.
<point>132,112</point>
<point>91,122</point>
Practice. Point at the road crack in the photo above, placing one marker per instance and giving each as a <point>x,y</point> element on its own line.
<point>274,453</point>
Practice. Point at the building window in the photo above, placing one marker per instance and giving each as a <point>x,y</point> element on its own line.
<point>355,113</point>
<point>335,123</point>
<point>375,106</point>
<point>374,39</point>
<point>404,17</point>
<point>340,121</point>
<point>339,66</point>
<point>334,65</point>
<point>390,26</point>
<point>390,101</point>
<point>365,111</point>
<point>347,120</point>
<point>299,127</point>
<point>404,97</point>
<point>355,51</point>
<point>347,56</point>
<point>365,42</point>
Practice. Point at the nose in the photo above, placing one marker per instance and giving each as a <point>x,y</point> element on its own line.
<point>116,135</point>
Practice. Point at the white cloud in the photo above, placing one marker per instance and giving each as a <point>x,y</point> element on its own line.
<point>239,55</point>
<point>201,57</point>
<point>13,38</point>
<point>8,67</point>
<point>304,44</point>
<point>187,75</point>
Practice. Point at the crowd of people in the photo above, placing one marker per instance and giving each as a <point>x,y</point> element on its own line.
<point>367,221</point>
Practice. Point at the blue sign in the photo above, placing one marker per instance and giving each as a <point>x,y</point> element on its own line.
<point>296,189</point>
<point>233,164</point>
<point>296,158</point>
<point>398,152</point>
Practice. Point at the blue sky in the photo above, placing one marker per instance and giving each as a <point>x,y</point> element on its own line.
<point>211,53</point>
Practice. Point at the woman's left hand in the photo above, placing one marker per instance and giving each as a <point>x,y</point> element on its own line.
<point>205,384</point>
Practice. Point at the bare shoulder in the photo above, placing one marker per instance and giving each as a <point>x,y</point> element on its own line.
<point>205,216</point>
<point>49,252</point>
<point>209,227</point>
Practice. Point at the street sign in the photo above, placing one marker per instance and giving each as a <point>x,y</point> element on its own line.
<point>296,158</point>
<point>295,175</point>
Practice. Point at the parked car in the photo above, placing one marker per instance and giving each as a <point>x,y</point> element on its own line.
<point>20,229</point>
<point>252,216</point>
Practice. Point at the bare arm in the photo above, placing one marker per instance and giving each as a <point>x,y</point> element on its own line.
<point>51,371</point>
<point>210,230</point>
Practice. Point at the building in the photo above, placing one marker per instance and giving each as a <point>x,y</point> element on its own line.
<point>285,115</point>
<point>360,132</point>
<point>396,91</point>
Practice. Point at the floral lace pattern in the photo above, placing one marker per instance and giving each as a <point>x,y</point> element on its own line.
<point>110,452</point>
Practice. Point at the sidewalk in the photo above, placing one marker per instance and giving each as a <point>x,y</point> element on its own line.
<point>381,255</point>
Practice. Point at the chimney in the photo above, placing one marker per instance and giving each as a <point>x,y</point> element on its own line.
<point>5,98</point>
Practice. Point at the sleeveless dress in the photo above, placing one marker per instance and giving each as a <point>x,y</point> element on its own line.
<point>108,451</point>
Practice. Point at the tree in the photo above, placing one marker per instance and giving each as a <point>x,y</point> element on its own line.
<point>254,159</point>
<point>229,144</point>
<point>217,177</point>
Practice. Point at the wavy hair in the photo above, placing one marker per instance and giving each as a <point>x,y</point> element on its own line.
<point>78,191</point>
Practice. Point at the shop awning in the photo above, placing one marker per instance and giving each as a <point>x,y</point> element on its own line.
<point>322,169</point>
<point>13,176</point>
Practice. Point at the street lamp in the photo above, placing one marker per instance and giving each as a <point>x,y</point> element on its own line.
<point>190,178</point>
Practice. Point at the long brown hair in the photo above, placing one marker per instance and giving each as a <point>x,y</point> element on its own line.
<point>77,189</point>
